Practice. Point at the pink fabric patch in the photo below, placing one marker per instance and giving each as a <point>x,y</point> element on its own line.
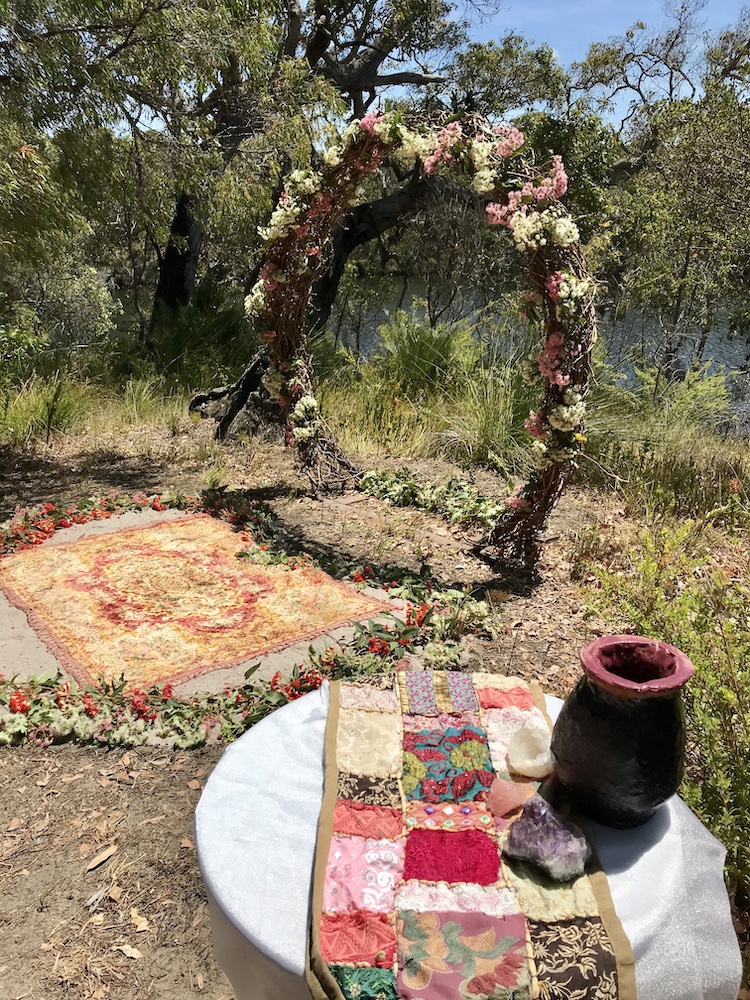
<point>416,723</point>
<point>358,937</point>
<point>359,819</point>
<point>517,697</point>
<point>362,874</point>
<point>445,856</point>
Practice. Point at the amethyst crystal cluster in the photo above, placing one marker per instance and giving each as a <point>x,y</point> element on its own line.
<point>542,837</point>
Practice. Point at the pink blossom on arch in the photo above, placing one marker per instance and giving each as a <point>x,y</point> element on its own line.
<point>270,335</point>
<point>516,502</point>
<point>553,283</point>
<point>511,139</point>
<point>534,425</point>
<point>368,123</point>
<point>267,276</point>
<point>447,139</point>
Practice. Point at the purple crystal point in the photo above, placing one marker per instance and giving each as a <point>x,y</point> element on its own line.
<point>542,837</point>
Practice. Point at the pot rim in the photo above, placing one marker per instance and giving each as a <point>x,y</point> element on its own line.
<point>598,673</point>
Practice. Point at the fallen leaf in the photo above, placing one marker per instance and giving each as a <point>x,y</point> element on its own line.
<point>187,842</point>
<point>195,785</point>
<point>97,919</point>
<point>199,980</point>
<point>115,892</point>
<point>200,772</point>
<point>84,848</point>
<point>128,951</point>
<point>66,778</point>
<point>101,857</point>
<point>138,921</point>
<point>15,823</point>
<point>199,915</point>
<point>46,946</point>
<point>153,819</point>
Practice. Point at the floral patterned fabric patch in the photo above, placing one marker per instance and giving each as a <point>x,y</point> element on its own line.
<point>574,959</point>
<point>358,696</point>
<point>365,984</point>
<point>464,896</point>
<point>362,874</point>
<point>455,954</point>
<point>451,764</point>
<point>420,692</point>
<point>369,743</point>
<point>445,720</point>
<point>373,791</point>
<point>358,937</point>
<point>438,856</point>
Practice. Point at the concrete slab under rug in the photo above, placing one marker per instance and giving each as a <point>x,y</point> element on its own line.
<point>163,601</point>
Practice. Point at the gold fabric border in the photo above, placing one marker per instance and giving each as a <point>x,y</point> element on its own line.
<point>319,979</point>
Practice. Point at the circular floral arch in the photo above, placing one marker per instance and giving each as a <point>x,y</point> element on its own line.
<point>519,197</point>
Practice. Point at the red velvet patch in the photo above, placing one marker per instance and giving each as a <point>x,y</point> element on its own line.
<point>443,856</point>
<point>519,697</point>
<point>359,936</point>
<point>359,819</point>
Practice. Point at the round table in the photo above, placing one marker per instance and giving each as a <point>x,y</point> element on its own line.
<point>256,825</point>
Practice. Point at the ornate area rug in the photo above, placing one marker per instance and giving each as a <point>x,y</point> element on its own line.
<point>170,601</point>
<point>412,899</point>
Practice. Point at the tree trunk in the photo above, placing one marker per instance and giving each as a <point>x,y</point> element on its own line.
<point>180,261</point>
<point>366,222</point>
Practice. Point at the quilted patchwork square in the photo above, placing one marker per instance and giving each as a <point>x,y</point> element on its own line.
<point>542,899</point>
<point>373,791</point>
<point>365,984</point>
<point>359,819</point>
<point>362,874</point>
<point>457,954</point>
<point>417,692</point>
<point>368,743</point>
<point>440,856</point>
<point>448,816</point>
<point>572,955</point>
<point>462,693</point>
<point>501,724</point>
<point>518,697</point>
<point>465,896</point>
<point>359,696</point>
<point>357,937</point>
<point>451,764</point>
<point>446,720</point>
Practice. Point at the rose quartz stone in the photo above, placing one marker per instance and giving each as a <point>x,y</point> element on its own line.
<point>505,796</point>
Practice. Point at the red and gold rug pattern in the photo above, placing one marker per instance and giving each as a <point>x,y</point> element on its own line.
<point>170,601</point>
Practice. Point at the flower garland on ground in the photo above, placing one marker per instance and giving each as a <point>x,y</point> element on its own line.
<point>298,246</point>
<point>30,526</point>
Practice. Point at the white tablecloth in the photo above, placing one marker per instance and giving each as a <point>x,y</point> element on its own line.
<point>256,825</point>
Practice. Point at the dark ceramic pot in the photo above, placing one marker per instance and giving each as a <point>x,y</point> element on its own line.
<point>620,736</point>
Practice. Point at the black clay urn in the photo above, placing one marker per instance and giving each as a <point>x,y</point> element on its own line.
<point>620,736</point>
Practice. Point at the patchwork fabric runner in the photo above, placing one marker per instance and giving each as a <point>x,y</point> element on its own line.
<point>411,898</point>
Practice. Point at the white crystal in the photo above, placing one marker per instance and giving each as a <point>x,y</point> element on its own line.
<point>529,750</point>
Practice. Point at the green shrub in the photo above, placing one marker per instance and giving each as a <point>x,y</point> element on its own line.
<point>419,357</point>
<point>670,595</point>
<point>658,445</point>
<point>31,413</point>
